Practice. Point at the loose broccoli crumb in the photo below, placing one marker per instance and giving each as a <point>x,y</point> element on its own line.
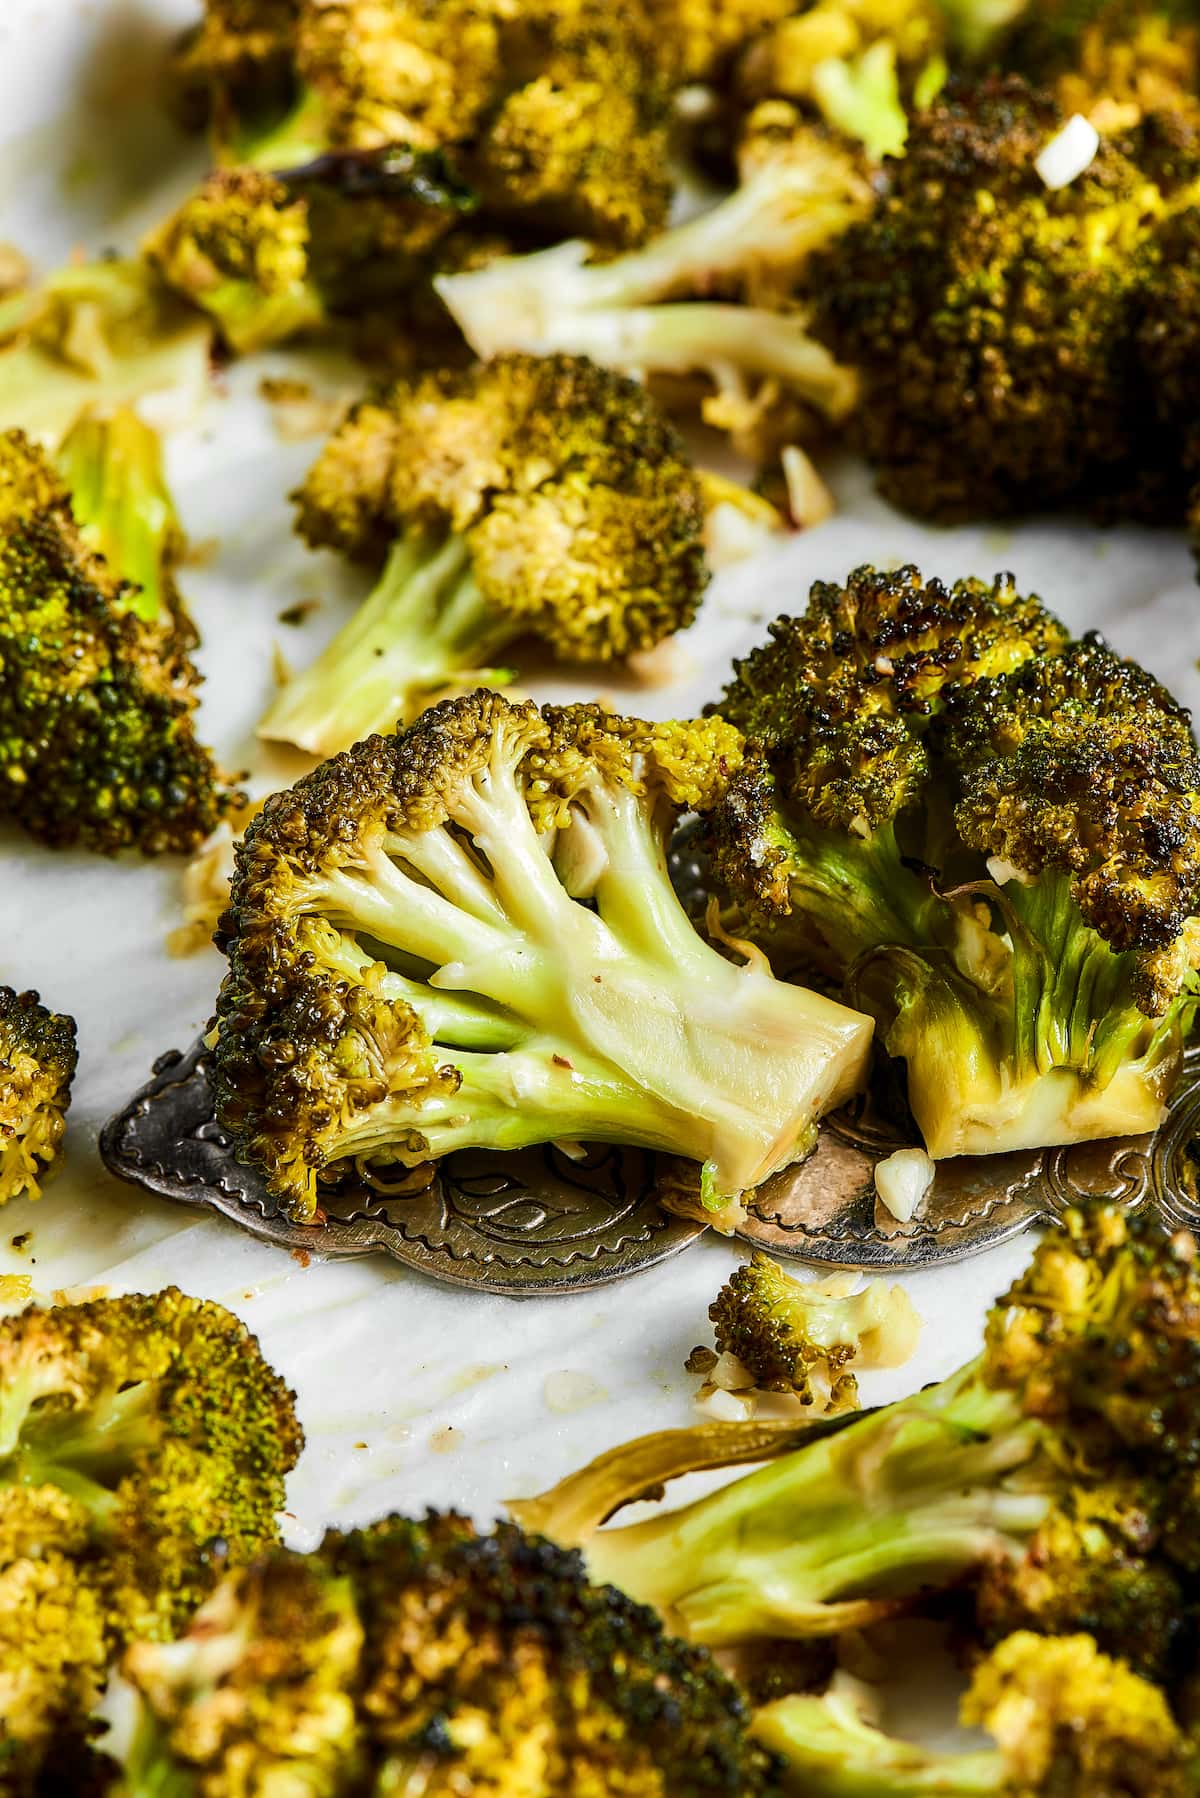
<point>458,936</point>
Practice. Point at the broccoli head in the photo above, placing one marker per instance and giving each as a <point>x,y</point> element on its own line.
<point>986,833</point>
<point>991,318</point>
<point>1115,60</point>
<point>465,936</point>
<point>709,33</point>
<point>54,1654</point>
<point>526,495</point>
<point>97,746</point>
<point>37,1066</point>
<point>241,49</point>
<point>419,1655</point>
<point>152,1433</point>
<point>95,334</point>
<point>1067,1722</point>
<point>785,1333</point>
<point>879,1509</point>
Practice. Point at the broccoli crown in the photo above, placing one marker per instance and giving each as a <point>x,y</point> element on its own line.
<point>1105,1280</point>
<point>37,1066</point>
<point>983,830</point>
<point>786,1333</point>
<point>1118,58</point>
<point>166,1433</point>
<point>260,1692</point>
<point>710,33</point>
<point>96,735</point>
<point>239,47</point>
<point>419,1651</point>
<point>575,495</point>
<point>1082,761</point>
<point>992,318</point>
<point>840,699</point>
<point>1070,1720</point>
<point>441,939</point>
<point>54,1654</point>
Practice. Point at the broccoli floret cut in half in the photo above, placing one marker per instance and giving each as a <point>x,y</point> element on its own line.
<point>987,834</point>
<point>1066,1720</point>
<point>37,1066</point>
<point>526,496</point>
<point>97,694</point>
<point>1087,1384</point>
<point>465,936</point>
<point>420,1656</point>
<point>96,334</point>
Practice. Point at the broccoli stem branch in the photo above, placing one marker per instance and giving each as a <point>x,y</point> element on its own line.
<point>911,1496</point>
<point>289,141</point>
<point>828,1751</point>
<point>114,471</point>
<point>620,1023</point>
<point>425,626</point>
<point>85,1453</point>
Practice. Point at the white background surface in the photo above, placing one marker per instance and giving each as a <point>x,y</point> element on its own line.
<point>411,1393</point>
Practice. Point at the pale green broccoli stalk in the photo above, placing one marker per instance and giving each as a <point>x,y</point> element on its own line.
<point>640,311</point>
<point>97,334</point>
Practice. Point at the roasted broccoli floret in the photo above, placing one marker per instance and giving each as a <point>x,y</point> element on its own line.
<point>272,256</point>
<point>421,1656</point>
<point>96,700</point>
<point>1115,60</point>
<point>527,495</point>
<point>465,936</point>
<point>1087,1377</point>
<point>143,1448</point>
<point>785,1332</point>
<point>1067,1721</point>
<point>859,64</point>
<point>37,1066</point>
<point>95,334</point>
<point>987,834</point>
<point>169,1436</point>
<point>710,33</point>
<point>646,311</point>
<point>992,318</point>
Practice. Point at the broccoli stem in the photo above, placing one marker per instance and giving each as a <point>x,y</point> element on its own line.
<point>829,1751</point>
<point>844,893</point>
<point>1060,1053</point>
<point>114,471</point>
<point>290,140</point>
<point>425,626</point>
<point>911,1496</point>
<point>632,1028</point>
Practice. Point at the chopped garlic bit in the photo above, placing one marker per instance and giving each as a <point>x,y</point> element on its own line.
<point>727,1407</point>
<point>809,499</point>
<point>902,1180</point>
<point>1003,871</point>
<point>1069,152</point>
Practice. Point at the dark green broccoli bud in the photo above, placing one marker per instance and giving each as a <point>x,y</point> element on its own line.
<point>938,1488</point>
<point>94,334</point>
<point>991,318</point>
<point>159,1422</point>
<point>1082,763</point>
<point>646,311</point>
<point>986,834</point>
<point>465,936</point>
<point>418,1655</point>
<point>96,735</point>
<point>525,495</point>
<point>37,1066</point>
<point>1116,59</point>
<point>786,1333</point>
<point>859,68</point>
<point>1067,1721</point>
